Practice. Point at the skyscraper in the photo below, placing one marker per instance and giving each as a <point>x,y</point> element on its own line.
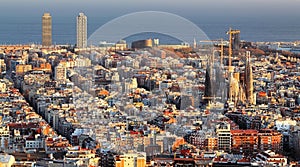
<point>46,29</point>
<point>81,30</point>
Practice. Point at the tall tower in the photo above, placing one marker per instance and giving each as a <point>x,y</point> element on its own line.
<point>81,30</point>
<point>249,79</point>
<point>234,38</point>
<point>208,92</point>
<point>46,29</point>
<point>195,44</point>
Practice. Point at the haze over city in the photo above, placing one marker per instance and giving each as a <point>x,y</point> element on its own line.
<point>133,83</point>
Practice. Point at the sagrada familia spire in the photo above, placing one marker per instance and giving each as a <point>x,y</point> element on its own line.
<point>249,79</point>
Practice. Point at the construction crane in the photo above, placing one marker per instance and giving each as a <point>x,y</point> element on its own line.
<point>231,32</point>
<point>222,52</point>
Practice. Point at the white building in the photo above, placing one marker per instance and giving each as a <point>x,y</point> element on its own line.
<point>81,31</point>
<point>224,136</point>
<point>4,136</point>
<point>83,62</point>
<point>285,125</point>
<point>35,143</point>
<point>270,158</point>
<point>60,72</point>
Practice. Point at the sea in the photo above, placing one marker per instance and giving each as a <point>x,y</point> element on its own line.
<point>27,30</point>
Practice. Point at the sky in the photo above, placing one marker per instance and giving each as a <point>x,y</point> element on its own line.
<point>207,14</point>
<point>216,9</point>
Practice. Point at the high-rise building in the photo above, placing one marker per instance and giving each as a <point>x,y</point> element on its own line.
<point>236,41</point>
<point>81,30</point>
<point>224,136</point>
<point>46,29</point>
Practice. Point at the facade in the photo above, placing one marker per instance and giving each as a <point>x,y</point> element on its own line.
<point>2,87</point>
<point>244,141</point>
<point>197,139</point>
<point>296,143</point>
<point>167,143</point>
<point>2,65</point>
<point>236,41</point>
<point>46,29</point>
<point>271,158</point>
<point>270,140</point>
<point>14,62</point>
<point>101,76</point>
<point>7,160</point>
<point>131,160</point>
<point>212,143</point>
<point>34,144</point>
<point>60,72</point>
<point>224,136</point>
<point>83,62</point>
<point>22,68</point>
<point>4,136</point>
<point>81,30</point>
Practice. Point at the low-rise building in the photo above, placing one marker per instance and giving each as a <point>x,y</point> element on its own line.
<point>270,158</point>
<point>244,141</point>
<point>7,160</point>
<point>131,160</point>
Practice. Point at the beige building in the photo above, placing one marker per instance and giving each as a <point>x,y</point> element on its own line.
<point>2,87</point>
<point>7,160</point>
<point>60,72</point>
<point>81,31</point>
<point>46,29</point>
<point>23,68</point>
<point>131,160</point>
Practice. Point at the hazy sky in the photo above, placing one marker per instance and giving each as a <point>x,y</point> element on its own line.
<point>20,19</point>
<point>216,9</point>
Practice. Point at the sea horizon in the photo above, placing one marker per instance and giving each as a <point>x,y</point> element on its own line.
<point>27,30</point>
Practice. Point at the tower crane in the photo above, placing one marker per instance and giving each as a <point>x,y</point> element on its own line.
<point>231,32</point>
<point>222,52</point>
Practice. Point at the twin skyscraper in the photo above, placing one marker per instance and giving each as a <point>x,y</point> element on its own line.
<point>81,30</point>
